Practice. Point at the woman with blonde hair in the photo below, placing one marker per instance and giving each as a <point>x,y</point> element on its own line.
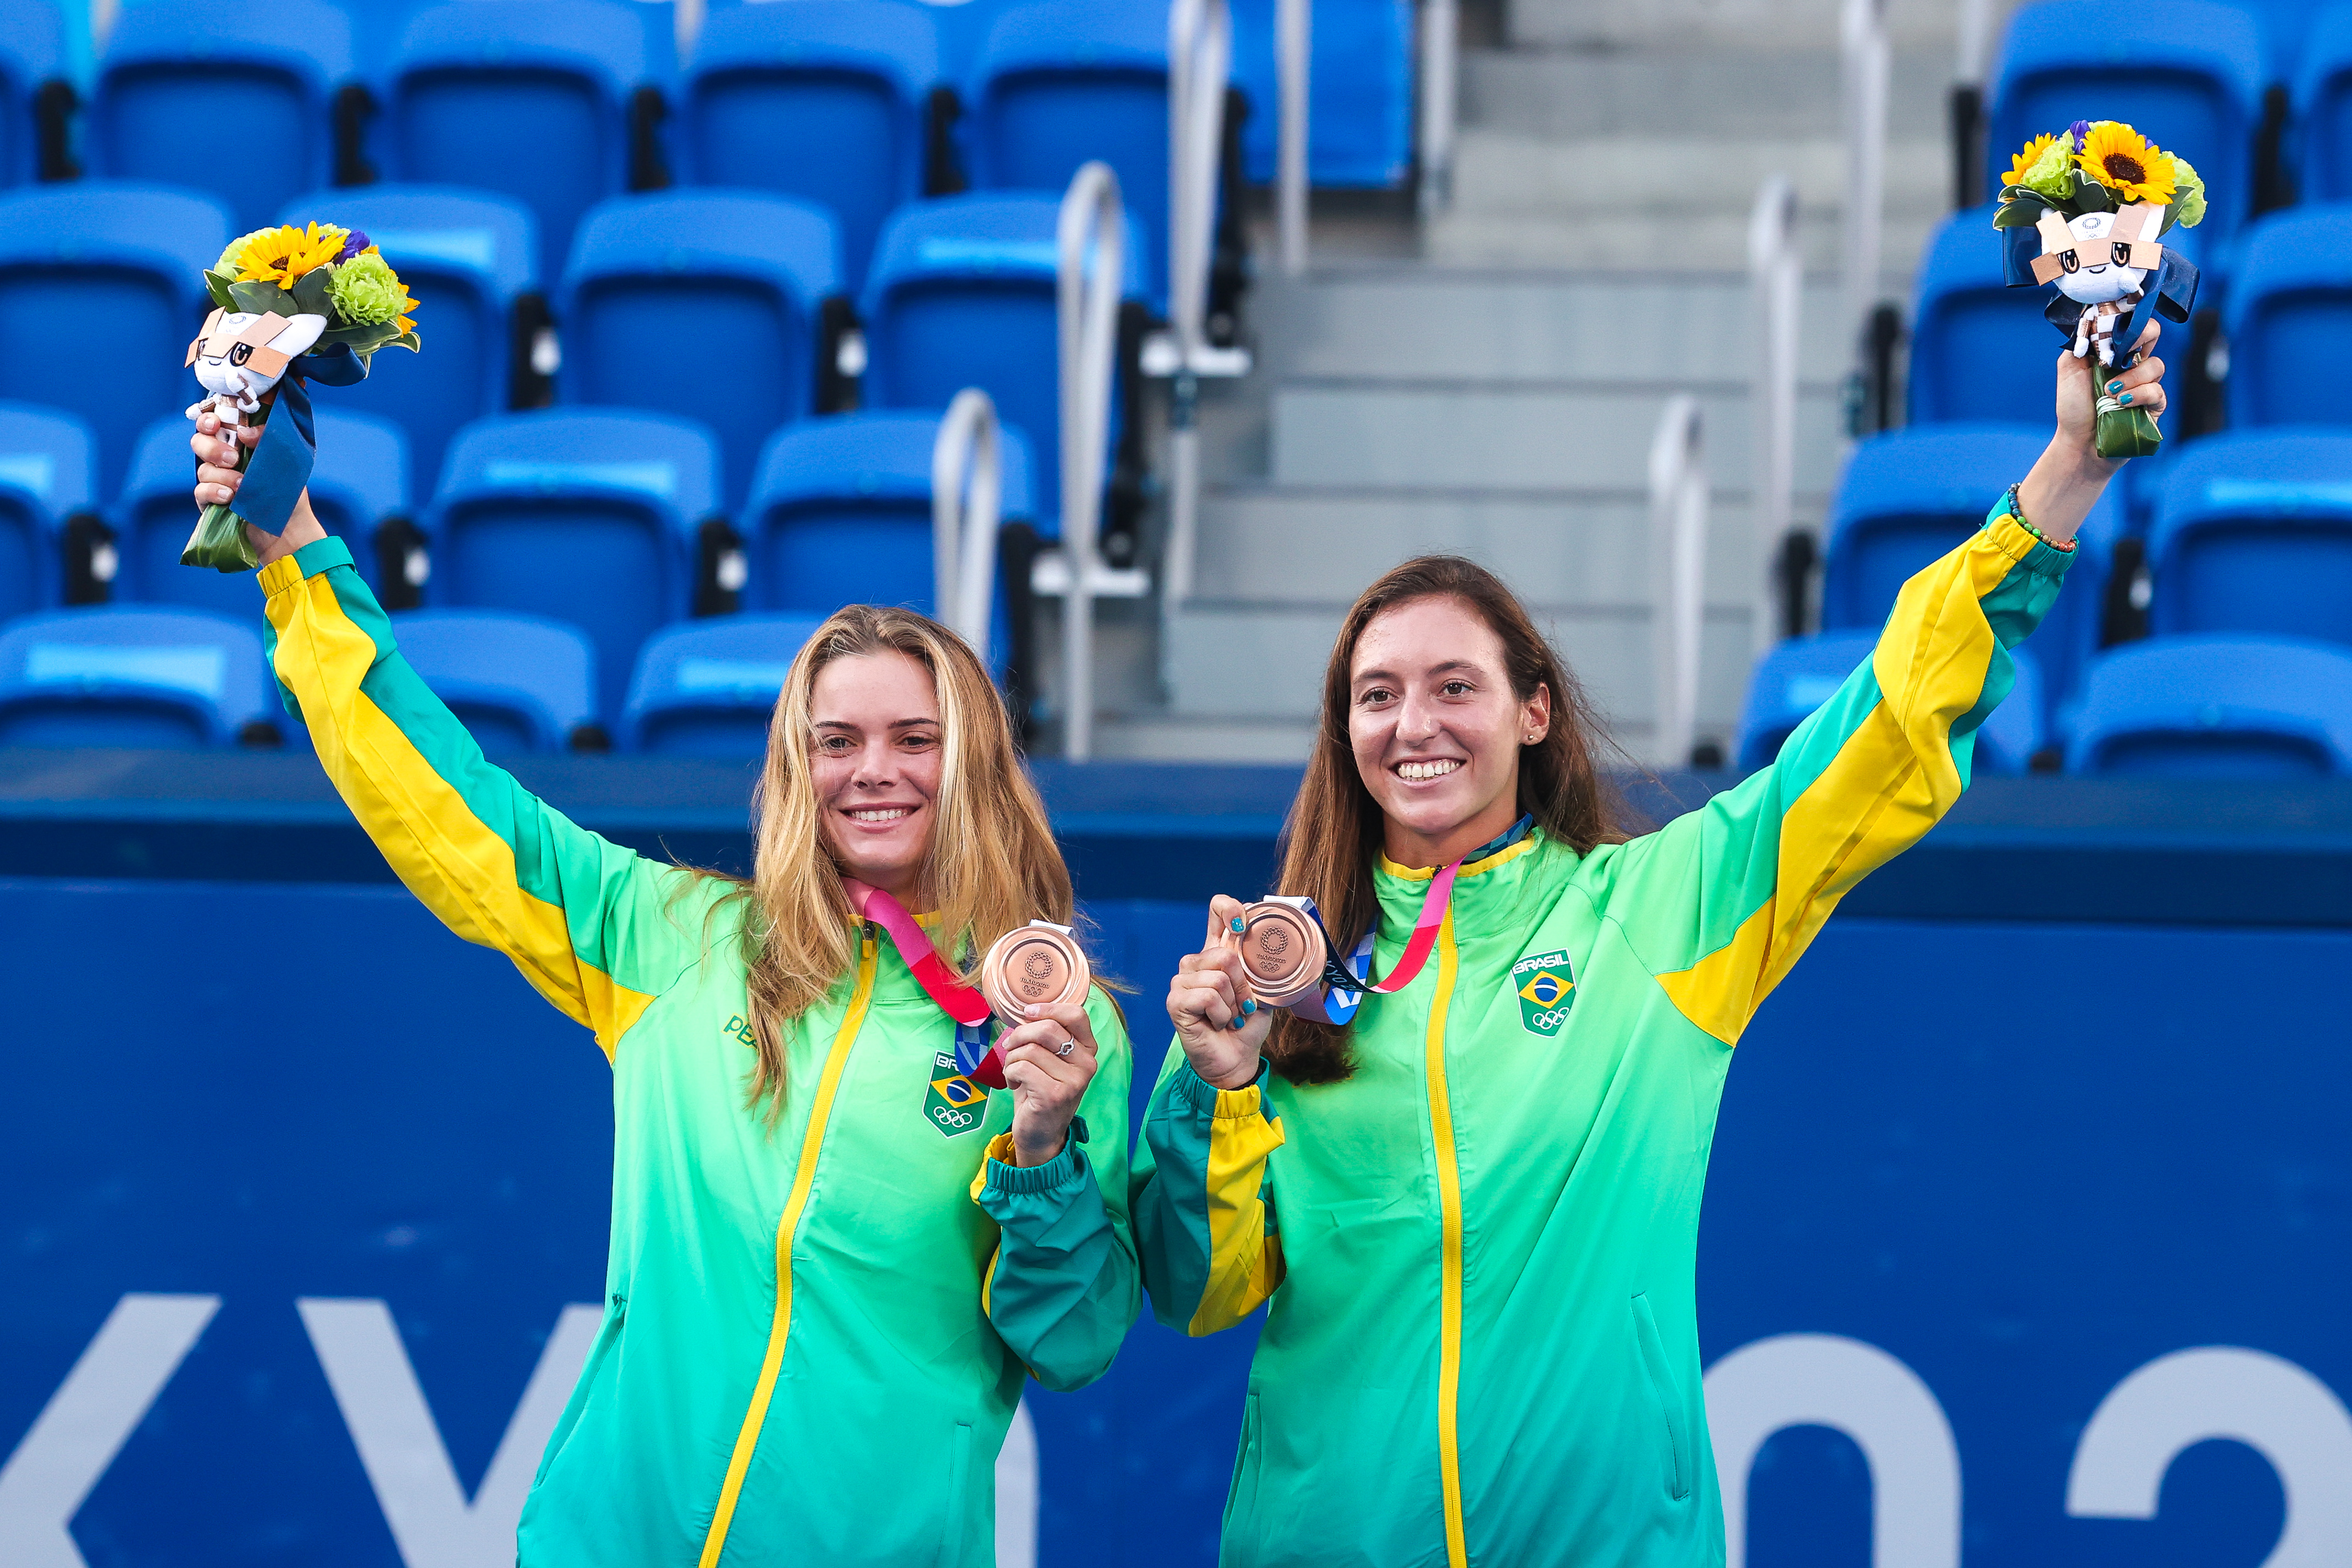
<point>836,1258</point>
<point>1469,1190</point>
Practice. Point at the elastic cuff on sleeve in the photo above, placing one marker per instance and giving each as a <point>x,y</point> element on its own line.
<point>2013,540</point>
<point>1066,1168</point>
<point>1224,1104</point>
<point>319,555</point>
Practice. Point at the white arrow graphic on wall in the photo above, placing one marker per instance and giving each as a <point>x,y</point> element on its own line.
<point>433,1524</point>
<point>87,1420</point>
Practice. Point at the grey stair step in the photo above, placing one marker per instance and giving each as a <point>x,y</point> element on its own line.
<point>1424,322</point>
<point>1592,550</point>
<point>1482,438</point>
<point>1622,240</point>
<point>1780,92</point>
<point>1608,26</point>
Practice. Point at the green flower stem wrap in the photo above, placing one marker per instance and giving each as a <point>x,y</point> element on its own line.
<point>2125,432</point>
<point>219,540</point>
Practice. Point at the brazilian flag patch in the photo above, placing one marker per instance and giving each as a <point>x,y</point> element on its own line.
<point>1545,988</point>
<point>953,1103</point>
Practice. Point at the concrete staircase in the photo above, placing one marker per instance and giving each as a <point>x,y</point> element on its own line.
<point>1489,383</point>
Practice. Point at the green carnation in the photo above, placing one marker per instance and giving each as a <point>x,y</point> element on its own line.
<point>228,266</point>
<point>2188,194</point>
<point>2052,173</point>
<point>366,292</point>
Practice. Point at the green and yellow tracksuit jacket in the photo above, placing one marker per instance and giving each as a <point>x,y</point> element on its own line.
<point>1481,1342</point>
<point>814,1334</point>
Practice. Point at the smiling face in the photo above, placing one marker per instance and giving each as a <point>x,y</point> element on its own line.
<point>1437,729</point>
<point>2097,277</point>
<point>876,756</point>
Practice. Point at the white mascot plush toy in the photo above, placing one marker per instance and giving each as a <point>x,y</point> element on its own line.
<point>238,357</point>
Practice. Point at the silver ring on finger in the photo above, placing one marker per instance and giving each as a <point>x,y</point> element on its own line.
<point>1067,1046</point>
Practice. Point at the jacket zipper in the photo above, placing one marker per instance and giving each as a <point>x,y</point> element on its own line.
<point>1449,1197</point>
<point>812,1145</point>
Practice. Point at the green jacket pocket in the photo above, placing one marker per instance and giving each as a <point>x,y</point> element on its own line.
<point>1670,1405</point>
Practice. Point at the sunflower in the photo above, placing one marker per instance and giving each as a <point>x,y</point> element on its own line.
<point>281,255</point>
<point>2119,158</point>
<point>2023,164</point>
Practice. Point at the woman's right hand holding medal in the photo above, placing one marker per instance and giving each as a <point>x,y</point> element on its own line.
<point>1221,1025</point>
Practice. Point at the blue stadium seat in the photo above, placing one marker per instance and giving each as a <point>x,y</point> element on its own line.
<point>1981,351</point>
<point>1360,91</point>
<point>2216,707</point>
<point>465,255</point>
<point>2254,534</point>
<point>2289,310</point>
<point>32,57</point>
<point>1797,676</point>
<point>827,101</point>
<point>520,683</point>
<point>102,286</point>
<point>256,77</point>
<point>1061,82</point>
<point>707,689</point>
<point>962,294</point>
<point>2188,74</point>
<point>1910,496</point>
<point>44,476</point>
<point>360,481</point>
<point>105,676</point>
<point>706,303</point>
<point>529,99</point>
<point>2322,98</point>
<point>586,516</point>
<point>841,515</point>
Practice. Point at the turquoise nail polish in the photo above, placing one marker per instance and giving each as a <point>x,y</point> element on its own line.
<point>2116,386</point>
<point>1249,1006</point>
<point>1238,927</point>
<point>2125,398</point>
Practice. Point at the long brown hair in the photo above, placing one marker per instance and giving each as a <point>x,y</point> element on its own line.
<point>991,864</point>
<point>1334,827</point>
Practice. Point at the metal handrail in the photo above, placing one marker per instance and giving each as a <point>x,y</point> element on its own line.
<point>1776,267</point>
<point>1091,247</point>
<point>1679,498</point>
<point>1441,32</point>
<point>1293,40</point>
<point>967,504</point>
<point>1863,58</point>
<point>1199,61</point>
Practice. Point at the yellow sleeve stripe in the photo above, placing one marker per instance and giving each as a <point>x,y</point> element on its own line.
<point>444,855</point>
<point>1245,1262</point>
<point>1892,780</point>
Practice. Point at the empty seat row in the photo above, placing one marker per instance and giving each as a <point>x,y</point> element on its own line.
<point>2167,708</point>
<point>185,678</point>
<point>859,105</point>
<point>718,306</point>
<point>607,519</point>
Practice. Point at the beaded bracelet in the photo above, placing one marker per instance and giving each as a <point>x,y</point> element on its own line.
<point>2017,511</point>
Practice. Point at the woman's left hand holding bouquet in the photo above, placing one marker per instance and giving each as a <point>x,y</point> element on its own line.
<point>218,478</point>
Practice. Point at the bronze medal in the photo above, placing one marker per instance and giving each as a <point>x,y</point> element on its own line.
<point>1032,964</point>
<point>1281,951</point>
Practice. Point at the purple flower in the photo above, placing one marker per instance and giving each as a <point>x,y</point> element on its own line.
<point>354,243</point>
<point>2080,131</point>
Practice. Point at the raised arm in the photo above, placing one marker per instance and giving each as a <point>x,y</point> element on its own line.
<point>589,923</point>
<point>1721,902</point>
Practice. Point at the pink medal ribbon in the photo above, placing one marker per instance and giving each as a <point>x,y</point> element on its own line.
<point>1425,933</point>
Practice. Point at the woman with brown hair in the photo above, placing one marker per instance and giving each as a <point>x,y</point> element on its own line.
<point>835,1257</point>
<point>1470,1189</point>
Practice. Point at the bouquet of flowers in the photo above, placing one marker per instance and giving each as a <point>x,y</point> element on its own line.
<point>2083,209</point>
<point>292,304</point>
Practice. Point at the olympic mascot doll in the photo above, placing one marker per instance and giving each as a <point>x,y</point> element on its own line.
<point>2084,210</point>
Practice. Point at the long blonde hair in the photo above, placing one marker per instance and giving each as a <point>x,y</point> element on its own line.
<point>991,863</point>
